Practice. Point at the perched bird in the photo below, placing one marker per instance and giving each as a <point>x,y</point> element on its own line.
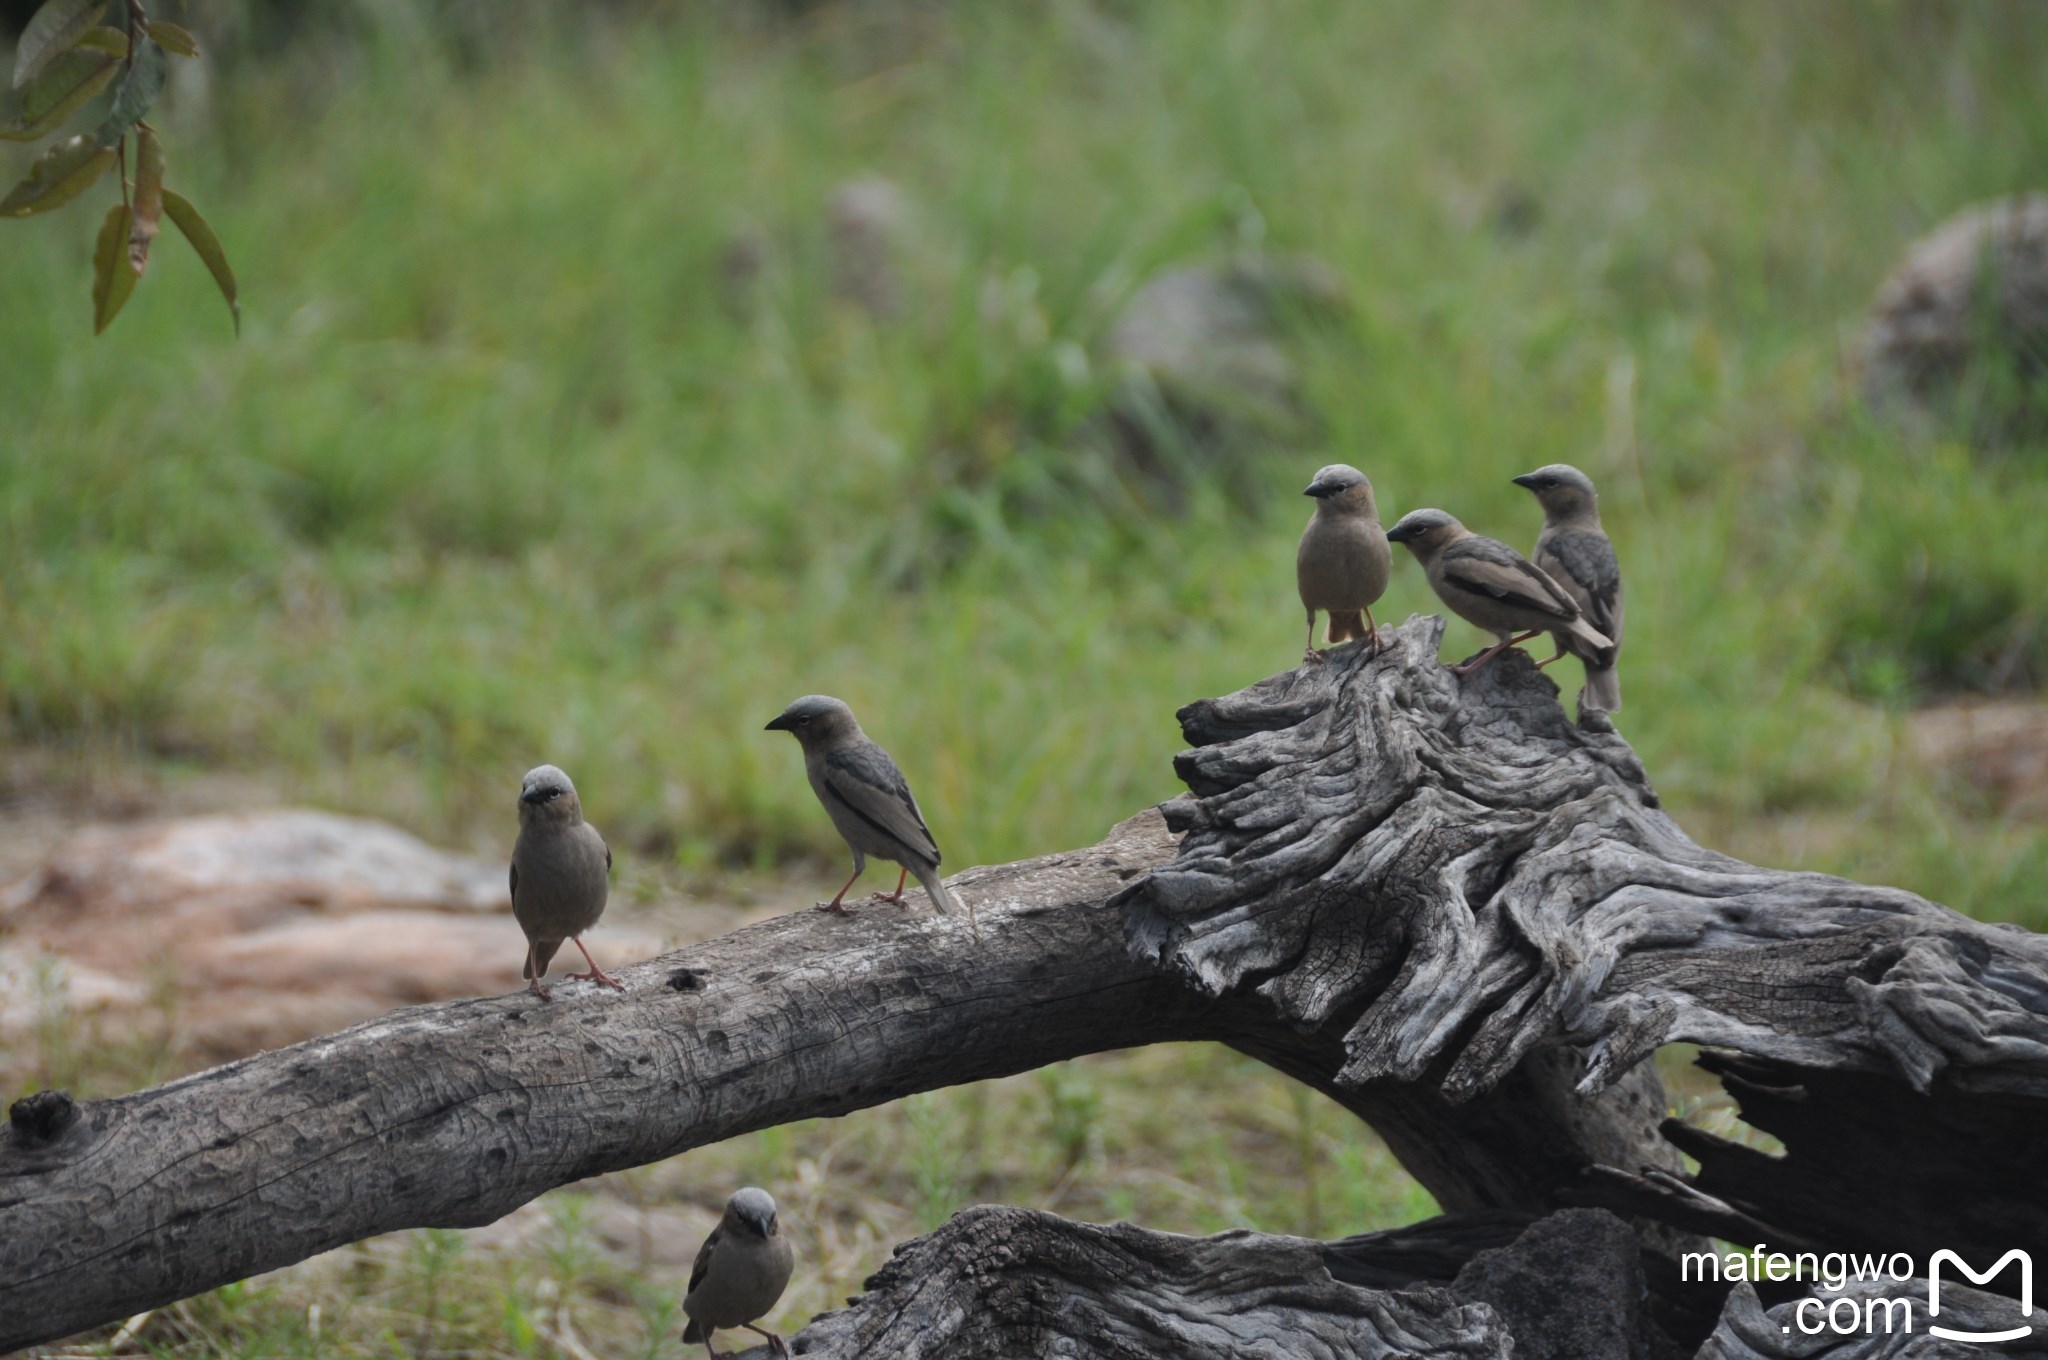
<point>1343,561</point>
<point>561,870</point>
<point>1487,583</point>
<point>740,1271</point>
<point>1574,551</point>
<point>867,798</point>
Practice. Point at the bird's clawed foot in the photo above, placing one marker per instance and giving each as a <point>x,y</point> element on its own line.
<point>596,974</point>
<point>834,906</point>
<point>894,899</point>
<point>540,991</point>
<point>775,1343</point>
<point>1541,664</point>
<point>1312,657</point>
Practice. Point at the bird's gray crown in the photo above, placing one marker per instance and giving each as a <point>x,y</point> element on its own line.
<point>1337,477</point>
<point>1418,522</point>
<point>753,1205</point>
<point>807,711</point>
<point>544,784</point>
<point>1555,475</point>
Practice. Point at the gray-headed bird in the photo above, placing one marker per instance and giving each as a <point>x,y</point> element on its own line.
<point>741,1270</point>
<point>1342,564</point>
<point>867,798</point>
<point>561,872</point>
<point>1489,584</point>
<point>1574,550</point>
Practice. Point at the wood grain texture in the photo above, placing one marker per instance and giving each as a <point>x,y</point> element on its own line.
<point>1437,901</point>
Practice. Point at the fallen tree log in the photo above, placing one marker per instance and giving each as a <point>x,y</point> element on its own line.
<point>1438,902</point>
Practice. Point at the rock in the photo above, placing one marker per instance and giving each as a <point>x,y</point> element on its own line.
<point>276,926</point>
<point>869,221</point>
<point>2001,749</point>
<point>1203,348</point>
<point>1964,318</point>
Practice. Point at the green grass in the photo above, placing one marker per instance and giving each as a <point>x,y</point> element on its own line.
<point>497,472</point>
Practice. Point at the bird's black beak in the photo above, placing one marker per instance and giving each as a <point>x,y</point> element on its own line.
<point>778,723</point>
<point>1399,535</point>
<point>534,796</point>
<point>1316,489</point>
<point>1527,479</point>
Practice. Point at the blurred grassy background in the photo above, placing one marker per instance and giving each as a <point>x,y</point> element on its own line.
<point>500,470</point>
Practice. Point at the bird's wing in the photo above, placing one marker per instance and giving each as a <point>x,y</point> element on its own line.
<point>867,780</point>
<point>1590,562</point>
<point>703,1262</point>
<point>1485,566</point>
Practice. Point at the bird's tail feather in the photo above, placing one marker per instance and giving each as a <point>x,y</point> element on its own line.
<point>693,1332</point>
<point>942,896</point>
<point>544,950</point>
<point>1346,624</point>
<point>1595,647</point>
<point>1603,688</point>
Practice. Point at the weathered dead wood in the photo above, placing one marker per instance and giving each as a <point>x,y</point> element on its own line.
<point>1897,1328</point>
<point>1001,1282</point>
<point>1437,901</point>
<point>1458,877</point>
<point>453,1115</point>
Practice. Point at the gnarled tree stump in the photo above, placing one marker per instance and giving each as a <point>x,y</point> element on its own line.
<point>1436,901</point>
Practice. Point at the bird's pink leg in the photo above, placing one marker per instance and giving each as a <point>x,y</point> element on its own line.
<point>836,903</point>
<point>596,974</point>
<point>1561,654</point>
<point>1495,650</point>
<point>1309,653</point>
<point>895,899</point>
<point>1372,632</point>
<point>776,1343</point>
<point>533,962</point>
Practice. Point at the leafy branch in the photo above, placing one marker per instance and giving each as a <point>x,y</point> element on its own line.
<point>69,55</point>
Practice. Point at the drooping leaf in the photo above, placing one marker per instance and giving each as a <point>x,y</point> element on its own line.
<point>50,34</point>
<point>111,41</point>
<point>112,279</point>
<point>149,197</point>
<point>75,78</point>
<point>187,219</point>
<point>173,39</point>
<point>64,172</point>
<point>139,87</point>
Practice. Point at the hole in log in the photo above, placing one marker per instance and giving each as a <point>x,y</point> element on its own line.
<point>41,1117</point>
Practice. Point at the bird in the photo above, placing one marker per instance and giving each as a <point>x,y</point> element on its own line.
<point>1342,564</point>
<point>1575,552</point>
<point>561,870</point>
<point>867,798</point>
<point>1489,584</point>
<point>740,1271</point>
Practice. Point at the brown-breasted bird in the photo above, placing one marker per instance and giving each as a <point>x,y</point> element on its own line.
<point>561,872</point>
<point>867,798</point>
<point>1576,553</point>
<point>1489,584</point>
<point>1342,563</point>
<point>740,1272</point>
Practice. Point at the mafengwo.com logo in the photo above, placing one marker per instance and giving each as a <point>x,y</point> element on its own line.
<point>1860,1309</point>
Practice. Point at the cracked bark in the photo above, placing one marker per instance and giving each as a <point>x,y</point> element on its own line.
<point>1439,903</point>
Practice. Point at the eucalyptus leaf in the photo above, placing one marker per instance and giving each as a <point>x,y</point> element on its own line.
<point>68,85</point>
<point>187,219</point>
<point>64,172</point>
<point>149,198</point>
<point>50,34</point>
<point>138,90</point>
<point>173,39</point>
<point>112,279</point>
